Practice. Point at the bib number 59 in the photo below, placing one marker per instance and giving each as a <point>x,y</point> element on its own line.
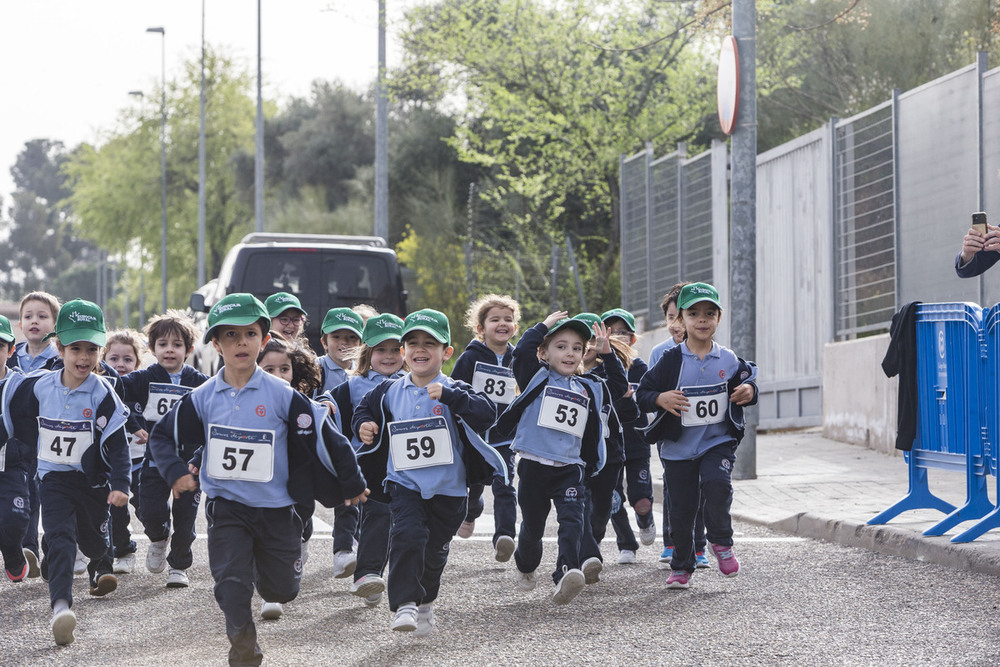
<point>417,447</point>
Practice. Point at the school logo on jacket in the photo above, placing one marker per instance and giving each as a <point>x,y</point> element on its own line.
<point>571,492</point>
<point>261,411</point>
<point>722,375</point>
<point>104,528</point>
<point>297,565</point>
<point>304,420</point>
<point>438,410</point>
<point>726,465</point>
<point>88,413</point>
<point>18,502</point>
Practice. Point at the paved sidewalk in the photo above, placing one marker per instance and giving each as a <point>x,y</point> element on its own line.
<point>813,487</point>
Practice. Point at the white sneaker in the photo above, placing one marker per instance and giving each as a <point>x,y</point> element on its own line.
<point>592,570</point>
<point>63,624</point>
<point>626,557</point>
<point>33,570</point>
<point>406,618</point>
<point>271,611</point>
<point>647,535</point>
<point>569,586</point>
<point>80,566</point>
<point>425,620</point>
<point>466,529</point>
<point>177,578</point>
<point>156,556</point>
<point>524,580</point>
<point>504,548</point>
<point>368,585</point>
<point>373,601</point>
<point>125,564</point>
<point>344,564</point>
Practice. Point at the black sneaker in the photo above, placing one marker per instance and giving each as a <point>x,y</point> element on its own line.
<point>103,584</point>
<point>43,569</point>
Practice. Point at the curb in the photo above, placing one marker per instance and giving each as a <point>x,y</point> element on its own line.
<point>886,540</point>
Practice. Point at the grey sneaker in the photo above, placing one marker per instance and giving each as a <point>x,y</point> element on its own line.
<point>177,578</point>
<point>524,580</point>
<point>373,601</point>
<point>425,620</point>
<point>125,564</point>
<point>504,548</point>
<point>569,586</point>
<point>156,556</point>
<point>80,565</point>
<point>368,585</point>
<point>592,570</point>
<point>63,624</point>
<point>344,564</point>
<point>626,557</point>
<point>406,618</point>
<point>33,570</point>
<point>271,611</point>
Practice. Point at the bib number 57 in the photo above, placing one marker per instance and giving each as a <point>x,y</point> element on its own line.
<point>230,460</point>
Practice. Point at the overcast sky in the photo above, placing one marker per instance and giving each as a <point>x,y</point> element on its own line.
<point>66,66</point>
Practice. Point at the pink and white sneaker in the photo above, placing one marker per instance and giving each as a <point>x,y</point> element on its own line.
<point>728,565</point>
<point>679,579</point>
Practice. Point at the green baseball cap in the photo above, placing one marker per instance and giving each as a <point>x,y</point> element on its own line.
<point>236,310</point>
<point>342,318</point>
<point>278,303</point>
<point>80,320</point>
<point>622,314</point>
<point>6,333</point>
<point>695,292</point>
<point>382,328</point>
<point>578,324</point>
<point>432,321</point>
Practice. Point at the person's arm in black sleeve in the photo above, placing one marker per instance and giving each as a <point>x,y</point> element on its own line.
<point>475,409</point>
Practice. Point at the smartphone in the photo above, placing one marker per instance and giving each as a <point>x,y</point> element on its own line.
<point>979,222</point>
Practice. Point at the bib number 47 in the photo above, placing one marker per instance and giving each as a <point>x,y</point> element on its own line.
<point>57,445</point>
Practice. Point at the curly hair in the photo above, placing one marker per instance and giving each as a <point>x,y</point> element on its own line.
<point>475,316</point>
<point>305,371</point>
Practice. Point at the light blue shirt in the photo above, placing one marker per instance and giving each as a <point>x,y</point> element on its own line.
<point>718,367</point>
<point>660,349</point>
<point>334,375</point>
<point>546,443</point>
<point>28,363</point>
<point>360,385</point>
<point>246,436</point>
<point>72,409</point>
<point>406,401</point>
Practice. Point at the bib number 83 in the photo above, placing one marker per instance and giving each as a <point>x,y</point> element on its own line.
<point>415,448</point>
<point>493,388</point>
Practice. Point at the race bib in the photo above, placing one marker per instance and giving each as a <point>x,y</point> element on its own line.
<point>64,442</point>
<point>242,454</point>
<point>709,404</point>
<point>420,443</point>
<point>162,397</point>
<point>564,410</point>
<point>496,382</point>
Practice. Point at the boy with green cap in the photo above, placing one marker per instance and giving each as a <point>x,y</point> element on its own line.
<point>261,449</point>
<point>75,423</point>
<point>288,317</point>
<point>341,335</point>
<point>420,436</point>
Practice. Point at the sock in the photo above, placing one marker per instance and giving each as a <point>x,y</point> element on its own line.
<point>59,606</point>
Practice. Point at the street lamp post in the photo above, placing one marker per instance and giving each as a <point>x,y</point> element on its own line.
<point>163,161</point>
<point>142,272</point>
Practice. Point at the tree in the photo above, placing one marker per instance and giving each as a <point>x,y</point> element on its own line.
<point>554,92</point>
<point>116,186</point>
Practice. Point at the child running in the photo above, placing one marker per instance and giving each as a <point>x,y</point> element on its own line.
<point>341,331</point>
<point>76,423</point>
<point>560,441</point>
<point>698,390</point>
<point>123,352</point>
<point>485,364</point>
<point>379,358</point>
<point>151,392</point>
<point>421,435</point>
<point>18,460</point>
<point>264,449</point>
<point>288,317</point>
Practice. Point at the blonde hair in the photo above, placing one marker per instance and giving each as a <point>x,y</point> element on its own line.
<point>475,316</point>
<point>48,299</point>
<point>364,311</point>
<point>129,337</point>
<point>363,358</point>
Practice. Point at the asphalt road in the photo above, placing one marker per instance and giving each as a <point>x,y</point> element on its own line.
<point>795,602</point>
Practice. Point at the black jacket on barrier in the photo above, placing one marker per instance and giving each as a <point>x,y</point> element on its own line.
<point>901,359</point>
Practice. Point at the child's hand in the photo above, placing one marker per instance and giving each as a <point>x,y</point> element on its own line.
<point>629,393</point>
<point>357,499</point>
<point>551,320</point>
<point>673,401</point>
<point>330,406</point>
<point>141,436</point>
<point>193,468</point>
<point>742,395</point>
<point>184,483</point>
<point>367,432</point>
<point>434,390</point>
<point>117,498</point>
<point>601,339</point>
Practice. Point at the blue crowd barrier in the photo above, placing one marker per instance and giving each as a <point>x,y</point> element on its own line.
<point>951,426</point>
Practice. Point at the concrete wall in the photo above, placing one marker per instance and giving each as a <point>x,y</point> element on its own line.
<point>859,401</point>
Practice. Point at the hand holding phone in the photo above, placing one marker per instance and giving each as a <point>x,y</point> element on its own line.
<point>979,222</point>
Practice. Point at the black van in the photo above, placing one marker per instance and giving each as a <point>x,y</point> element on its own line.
<point>323,271</point>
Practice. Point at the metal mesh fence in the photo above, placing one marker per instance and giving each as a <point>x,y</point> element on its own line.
<point>664,234</point>
<point>696,228</point>
<point>865,223</point>
<point>634,228</point>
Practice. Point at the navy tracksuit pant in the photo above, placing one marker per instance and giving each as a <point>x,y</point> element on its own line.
<point>373,541</point>
<point>421,532</point>
<point>75,514</point>
<point>504,499</point>
<point>710,477</point>
<point>15,514</point>
<point>248,547</point>
<point>156,504</point>
<point>540,487</point>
